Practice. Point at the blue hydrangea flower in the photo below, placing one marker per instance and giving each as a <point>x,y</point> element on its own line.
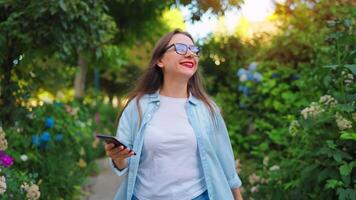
<point>45,137</point>
<point>36,140</point>
<point>275,75</point>
<point>249,74</point>
<point>242,105</point>
<point>59,137</point>
<point>58,103</point>
<point>49,122</point>
<point>257,77</point>
<point>295,77</point>
<point>241,71</point>
<point>244,89</point>
<point>252,66</point>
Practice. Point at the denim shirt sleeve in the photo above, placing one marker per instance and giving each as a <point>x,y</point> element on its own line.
<point>124,134</point>
<point>116,170</point>
<point>225,153</point>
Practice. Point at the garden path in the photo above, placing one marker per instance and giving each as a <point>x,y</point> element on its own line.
<point>105,185</point>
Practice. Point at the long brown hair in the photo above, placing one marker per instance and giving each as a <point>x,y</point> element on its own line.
<point>152,78</point>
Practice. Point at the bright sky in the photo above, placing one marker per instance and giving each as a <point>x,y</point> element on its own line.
<point>252,10</point>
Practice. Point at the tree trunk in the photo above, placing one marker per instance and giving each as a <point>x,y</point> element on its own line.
<point>79,82</point>
<point>7,99</point>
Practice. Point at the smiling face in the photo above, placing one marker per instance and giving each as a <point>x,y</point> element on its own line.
<point>175,65</point>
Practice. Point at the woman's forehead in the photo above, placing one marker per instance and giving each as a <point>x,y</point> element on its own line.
<point>181,38</point>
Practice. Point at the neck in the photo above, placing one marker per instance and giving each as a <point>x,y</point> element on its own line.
<point>174,88</point>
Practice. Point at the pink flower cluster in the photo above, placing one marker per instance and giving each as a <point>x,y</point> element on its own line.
<point>6,160</point>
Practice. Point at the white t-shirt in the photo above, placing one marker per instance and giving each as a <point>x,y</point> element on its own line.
<point>169,165</point>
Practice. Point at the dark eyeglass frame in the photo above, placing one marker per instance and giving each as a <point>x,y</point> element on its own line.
<point>194,49</point>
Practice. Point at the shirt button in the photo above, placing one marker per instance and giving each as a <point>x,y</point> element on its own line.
<point>149,115</point>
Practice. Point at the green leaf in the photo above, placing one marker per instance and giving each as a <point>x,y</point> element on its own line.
<point>346,107</point>
<point>338,155</point>
<point>331,66</point>
<point>332,184</point>
<point>351,97</point>
<point>352,68</point>
<point>62,5</point>
<point>346,194</point>
<point>327,173</point>
<point>345,169</point>
<point>348,136</point>
<point>331,144</point>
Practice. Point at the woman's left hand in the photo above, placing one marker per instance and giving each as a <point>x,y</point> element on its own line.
<point>237,194</point>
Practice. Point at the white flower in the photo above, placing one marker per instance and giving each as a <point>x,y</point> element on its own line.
<point>24,186</point>
<point>253,178</point>
<point>348,78</point>
<point>312,111</point>
<point>238,165</point>
<point>342,123</point>
<point>33,191</point>
<point>71,110</point>
<point>30,115</point>
<point>2,184</point>
<point>328,100</point>
<point>348,82</point>
<point>265,160</point>
<point>3,141</point>
<point>274,168</point>
<point>80,124</point>
<point>254,189</point>
<point>24,157</point>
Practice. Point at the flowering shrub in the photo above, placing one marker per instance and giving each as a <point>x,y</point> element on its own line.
<point>248,75</point>
<point>57,143</point>
<point>293,129</point>
<point>11,178</point>
<point>319,161</point>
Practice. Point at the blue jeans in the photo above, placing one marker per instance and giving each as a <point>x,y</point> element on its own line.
<point>203,196</point>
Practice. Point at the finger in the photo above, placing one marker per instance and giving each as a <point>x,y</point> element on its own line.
<point>114,151</point>
<point>109,146</point>
<point>130,153</point>
<point>124,151</point>
<point>116,157</point>
<point>119,148</point>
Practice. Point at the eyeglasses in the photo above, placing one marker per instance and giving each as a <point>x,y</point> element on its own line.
<point>182,49</point>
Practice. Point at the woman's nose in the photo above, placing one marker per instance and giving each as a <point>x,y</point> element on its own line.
<point>190,54</point>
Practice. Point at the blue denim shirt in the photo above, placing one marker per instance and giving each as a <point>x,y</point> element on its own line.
<point>214,147</point>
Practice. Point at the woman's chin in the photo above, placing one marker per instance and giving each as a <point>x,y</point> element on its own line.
<point>187,74</point>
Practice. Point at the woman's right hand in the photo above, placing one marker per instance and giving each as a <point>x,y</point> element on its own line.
<point>118,154</point>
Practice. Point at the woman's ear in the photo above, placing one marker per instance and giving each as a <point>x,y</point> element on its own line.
<point>160,63</point>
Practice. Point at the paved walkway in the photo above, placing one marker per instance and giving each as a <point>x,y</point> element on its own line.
<point>105,185</point>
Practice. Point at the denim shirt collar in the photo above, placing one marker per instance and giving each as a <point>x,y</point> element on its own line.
<point>154,97</point>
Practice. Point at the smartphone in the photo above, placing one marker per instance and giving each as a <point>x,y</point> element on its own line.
<point>111,139</point>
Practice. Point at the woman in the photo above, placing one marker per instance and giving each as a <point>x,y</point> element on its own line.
<point>182,146</point>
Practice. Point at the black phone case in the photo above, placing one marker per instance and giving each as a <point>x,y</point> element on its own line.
<point>111,139</point>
